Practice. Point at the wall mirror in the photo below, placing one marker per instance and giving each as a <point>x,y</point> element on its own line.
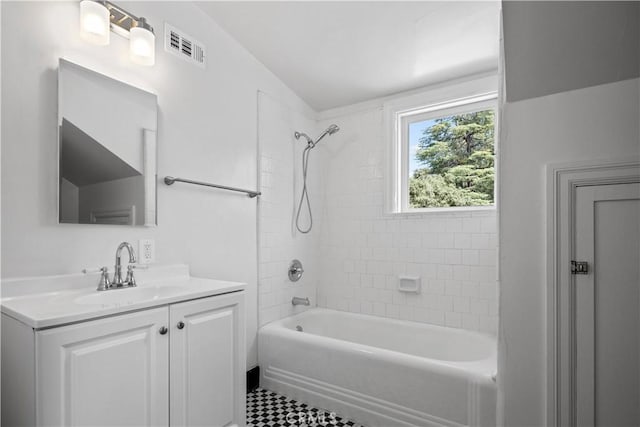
<point>106,149</point>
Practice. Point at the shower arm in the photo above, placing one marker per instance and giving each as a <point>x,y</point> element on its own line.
<point>310,142</point>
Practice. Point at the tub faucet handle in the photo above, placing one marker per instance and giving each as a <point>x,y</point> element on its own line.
<point>295,270</point>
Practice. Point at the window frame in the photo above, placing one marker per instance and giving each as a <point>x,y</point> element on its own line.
<point>470,96</point>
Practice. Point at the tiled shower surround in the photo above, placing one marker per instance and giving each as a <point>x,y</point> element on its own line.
<point>364,250</point>
<point>278,242</point>
<point>453,256</point>
<point>358,251</point>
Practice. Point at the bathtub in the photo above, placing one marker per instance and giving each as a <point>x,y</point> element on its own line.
<point>381,372</point>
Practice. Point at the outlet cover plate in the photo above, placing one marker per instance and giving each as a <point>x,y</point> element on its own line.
<point>146,251</point>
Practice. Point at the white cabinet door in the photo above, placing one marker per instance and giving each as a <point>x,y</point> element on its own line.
<point>607,352</point>
<point>109,372</point>
<point>208,362</point>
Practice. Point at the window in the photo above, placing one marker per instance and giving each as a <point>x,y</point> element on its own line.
<point>443,155</point>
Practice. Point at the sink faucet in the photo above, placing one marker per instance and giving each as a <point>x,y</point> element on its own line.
<point>117,275</point>
<point>300,301</point>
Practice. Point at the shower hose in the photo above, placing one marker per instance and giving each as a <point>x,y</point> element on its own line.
<point>305,193</point>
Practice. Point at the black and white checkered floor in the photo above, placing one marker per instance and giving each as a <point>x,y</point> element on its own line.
<point>269,409</point>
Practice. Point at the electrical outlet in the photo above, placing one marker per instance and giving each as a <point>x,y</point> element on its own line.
<point>146,251</point>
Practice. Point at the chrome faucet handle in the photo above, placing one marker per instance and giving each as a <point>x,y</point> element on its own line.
<point>105,283</point>
<point>295,270</point>
<point>130,280</point>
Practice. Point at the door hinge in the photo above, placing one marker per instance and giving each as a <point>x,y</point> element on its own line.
<point>579,267</point>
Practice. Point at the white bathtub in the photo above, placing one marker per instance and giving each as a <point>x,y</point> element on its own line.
<point>381,372</point>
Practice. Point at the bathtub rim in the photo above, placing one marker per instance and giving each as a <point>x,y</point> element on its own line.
<point>479,370</point>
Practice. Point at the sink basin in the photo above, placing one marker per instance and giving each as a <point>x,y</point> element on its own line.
<point>129,295</point>
<point>48,301</point>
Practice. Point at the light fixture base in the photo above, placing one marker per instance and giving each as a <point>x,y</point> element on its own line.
<point>122,21</point>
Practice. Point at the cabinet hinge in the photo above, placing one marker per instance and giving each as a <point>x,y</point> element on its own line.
<point>579,267</point>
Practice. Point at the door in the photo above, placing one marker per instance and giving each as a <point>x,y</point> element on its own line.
<point>108,372</point>
<point>607,301</point>
<point>208,374</point>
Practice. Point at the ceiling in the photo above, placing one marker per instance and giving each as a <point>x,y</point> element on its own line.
<point>84,161</point>
<point>339,53</point>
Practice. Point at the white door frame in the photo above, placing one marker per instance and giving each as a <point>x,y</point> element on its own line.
<point>562,181</point>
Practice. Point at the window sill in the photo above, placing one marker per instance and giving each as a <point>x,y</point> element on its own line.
<point>455,212</point>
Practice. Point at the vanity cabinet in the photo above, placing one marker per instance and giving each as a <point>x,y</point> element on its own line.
<point>179,364</point>
<point>112,371</point>
<point>207,374</point>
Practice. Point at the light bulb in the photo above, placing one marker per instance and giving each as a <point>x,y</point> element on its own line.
<point>142,44</point>
<point>94,22</point>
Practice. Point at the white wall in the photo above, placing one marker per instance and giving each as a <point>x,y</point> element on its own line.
<point>207,130</point>
<point>364,251</point>
<point>280,183</point>
<point>129,111</point>
<point>556,46</point>
<point>551,48</point>
<point>599,122</point>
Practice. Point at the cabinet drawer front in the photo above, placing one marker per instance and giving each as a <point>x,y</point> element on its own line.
<point>208,361</point>
<point>112,371</point>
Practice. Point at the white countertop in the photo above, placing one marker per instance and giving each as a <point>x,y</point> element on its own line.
<point>42,302</point>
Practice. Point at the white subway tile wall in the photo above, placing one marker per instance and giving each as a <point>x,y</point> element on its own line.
<point>355,253</point>
<point>278,243</point>
<point>363,251</point>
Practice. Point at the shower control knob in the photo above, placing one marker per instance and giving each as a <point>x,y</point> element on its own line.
<point>295,270</point>
<point>180,325</point>
<point>163,330</point>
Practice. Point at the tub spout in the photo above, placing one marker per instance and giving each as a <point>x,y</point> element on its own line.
<point>300,301</point>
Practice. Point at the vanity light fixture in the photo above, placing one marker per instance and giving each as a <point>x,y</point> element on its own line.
<point>142,43</point>
<point>98,17</point>
<point>94,22</point>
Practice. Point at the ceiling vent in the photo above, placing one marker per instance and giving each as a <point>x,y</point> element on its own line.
<point>184,46</point>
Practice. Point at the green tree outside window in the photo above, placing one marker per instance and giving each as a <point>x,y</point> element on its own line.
<point>457,155</point>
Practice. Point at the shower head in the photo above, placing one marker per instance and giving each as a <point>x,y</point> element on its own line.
<point>333,129</point>
<point>329,131</point>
